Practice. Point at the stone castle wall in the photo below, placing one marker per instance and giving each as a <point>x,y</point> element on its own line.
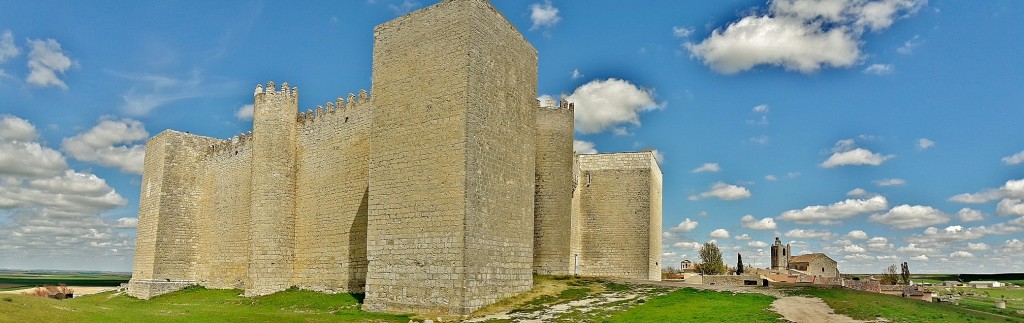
<point>552,254</point>
<point>431,198</point>
<point>620,211</point>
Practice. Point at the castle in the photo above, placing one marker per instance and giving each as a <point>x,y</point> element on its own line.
<point>443,192</point>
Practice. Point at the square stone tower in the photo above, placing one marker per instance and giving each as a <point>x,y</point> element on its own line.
<point>451,176</point>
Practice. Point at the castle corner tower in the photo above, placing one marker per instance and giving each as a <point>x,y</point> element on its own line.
<point>451,177</point>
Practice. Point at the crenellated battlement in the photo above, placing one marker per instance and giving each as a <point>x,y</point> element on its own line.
<point>231,146</point>
<point>339,107</point>
<point>271,89</point>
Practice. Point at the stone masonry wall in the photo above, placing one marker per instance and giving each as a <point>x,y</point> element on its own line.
<point>654,234</point>
<point>223,260</point>
<point>500,161</point>
<point>272,238</point>
<point>417,171</point>
<point>619,215</point>
<point>552,254</point>
<point>332,196</point>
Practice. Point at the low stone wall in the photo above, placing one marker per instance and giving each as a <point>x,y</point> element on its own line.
<point>863,285</point>
<point>147,288</point>
<point>731,280</point>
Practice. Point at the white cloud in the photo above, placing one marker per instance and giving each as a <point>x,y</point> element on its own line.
<point>719,233</point>
<point>658,156</point>
<point>742,237</point>
<point>770,178</point>
<point>686,226</point>
<point>763,108</point>
<point>909,46</point>
<point>45,60</point>
<point>890,182</point>
<point>855,157</point>
<point>605,104</point>
<point>543,15</point>
<point>857,192</point>
<point>688,245</point>
<point>920,258</point>
<point>802,234</point>
<point>7,48</point>
<point>799,35</point>
<point>854,249</point>
<point>707,167</point>
<point>583,147</point>
<point>760,140</point>
<point>682,32</point>
<point>925,143</point>
<point>1013,245</point>
<point>1013,189</point>
<point>757,244</point>
<point>969,215</point>
<point>914,248</point>
<point>245,112</point>
<point>977,246</point>
<point>858,257</point>
<point>961,254</point>
<point>750,222</point>
<point>1014,159</point>
<point>109,143</point>
<point>879,244</point>
<point>857,234</point>
<point>724,191</point>
<point>151,91</point>
<point>126,223</point>
<point>831,214</point>
<point>404,7</point>
<point>576,74</point>
<point>1010,207</point>
<point>14,128</point>
<point>880,69</point>
<point>907,216</point>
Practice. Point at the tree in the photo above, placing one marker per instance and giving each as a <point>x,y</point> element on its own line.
<point>739,264</point>
<point>905,274</point>
<point>890,276</point>
<point>711,259</point>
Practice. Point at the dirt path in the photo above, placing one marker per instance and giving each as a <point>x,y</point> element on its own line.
<point>808,309</point>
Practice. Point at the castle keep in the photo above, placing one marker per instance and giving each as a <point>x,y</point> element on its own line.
<point>442,193</point>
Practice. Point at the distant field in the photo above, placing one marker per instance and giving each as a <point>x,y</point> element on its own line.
<point>868,306</point>
<point>12,281</point>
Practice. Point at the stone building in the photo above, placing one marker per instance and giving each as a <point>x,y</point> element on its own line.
<point>814,264</point>
<point>443,192</point>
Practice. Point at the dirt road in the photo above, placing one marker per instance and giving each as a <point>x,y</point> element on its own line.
<point>808,309</point>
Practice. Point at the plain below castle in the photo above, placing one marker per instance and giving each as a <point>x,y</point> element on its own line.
<point>443,192</point>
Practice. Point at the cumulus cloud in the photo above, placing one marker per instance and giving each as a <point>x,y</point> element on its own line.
<point>576,74</point>
<point>1012,189</point>
<point>21,156</point>
<point>803,234</point>
<point>7,48</point>
<point>52,210</point>
<point>857,192</point>
<point>920,258</point>
<point>742,237</point>
<point>771,178</point>
<point>14,128</point>
<point>750,222</point>
<point>724,191</point>
<point>879,244</point>
<point>688,245</point>
<point>245,112</point>
<point>799,35</point>
<point>832,214</point>
<point>1010,207</point>
<point>707,167</point>
<point>977,246</point>
<point>686,226</point>
<point>854,249</point>
<point>126,223</point>
<point>583,147</point>
<point>857,234</point>
<point>45,60</point>
<point>543,15</point>
<point>890,182</point>
<point>969,215</point>
<point>719,233</point>
<point>879,69</point>
<point>1013,245</point>
<point>757,244</point>
<point>914,248</point>
<point>605,104</point>
<point>961,254</point>
<point>110,143</point>
<point>908,216</point>
<point>682,32</point>
<point>1014,159</point>
<point>925,143</point>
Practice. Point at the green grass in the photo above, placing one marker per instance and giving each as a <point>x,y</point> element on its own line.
<point>869,306</point>
<point>194,305</point>
<point>693,305</point>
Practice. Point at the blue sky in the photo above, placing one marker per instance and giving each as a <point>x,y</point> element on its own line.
<point>875,131</point>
